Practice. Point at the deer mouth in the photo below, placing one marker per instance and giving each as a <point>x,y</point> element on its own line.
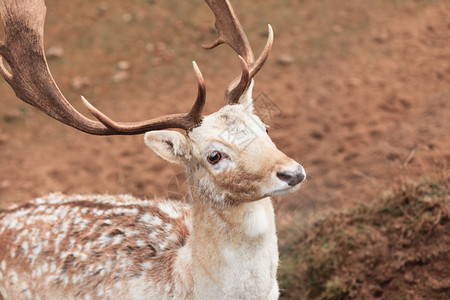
<point>281,191</point>
<point>286,190</point>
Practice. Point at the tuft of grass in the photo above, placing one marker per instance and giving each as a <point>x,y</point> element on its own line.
<point>342,255</point>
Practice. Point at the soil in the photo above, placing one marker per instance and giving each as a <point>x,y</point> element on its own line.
<point>357,91</point>
<point>395,248</point>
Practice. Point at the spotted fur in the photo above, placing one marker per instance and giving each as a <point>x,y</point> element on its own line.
<point>90,246</point>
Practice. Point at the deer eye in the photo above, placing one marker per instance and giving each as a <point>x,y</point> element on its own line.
<point>214,157</point>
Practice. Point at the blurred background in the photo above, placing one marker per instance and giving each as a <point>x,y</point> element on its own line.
<point>357,91</point>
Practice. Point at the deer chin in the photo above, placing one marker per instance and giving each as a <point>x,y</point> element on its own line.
<point>284,191</point>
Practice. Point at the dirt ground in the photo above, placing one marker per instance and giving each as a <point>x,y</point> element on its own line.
<point>357,91</point>
<point>397,247</point>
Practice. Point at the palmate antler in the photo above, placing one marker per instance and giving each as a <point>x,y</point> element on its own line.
<point>32,81</point>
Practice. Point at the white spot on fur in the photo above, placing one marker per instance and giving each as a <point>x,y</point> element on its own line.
<point>49,279</point>
<point>100,293</point>
<point>19,226</point>
<point>58,240</point>
<point>172,237</point>
<point>151,220</point>
<point>45,267</point>
<point>109,264</point>
<point>169,209</point>
<point>38,272</point>
<point>40,208</point>
<point>104,239</point>
<point>13,277</point>
<point>154,235</point>
<point>130,233</point>
<point>22,213</point>
<point>118,239</point>
<point>163,245</point>
<point>20,235</point>
<point>98,212</point>
<point>37,249</point>
<point>25,290</point>
<point>118,284</point>
<point>167,227</point>
<point>12,223</point>
<point>65,280</point>
<point>3,265</point>
<point>61,211</point>
<point>77,279</point>
<point>146,265</point>
<point>125,211</point>
<point>53,267</point>
<point>87,246</point>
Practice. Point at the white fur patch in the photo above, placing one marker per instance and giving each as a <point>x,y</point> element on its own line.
<point>25,247</point>
<point>169,210</point>
<point>151,220</point>
<point>104,239</point>
<point>13,277</point>
<point>140,243</point>
<point>255,219</point>
<point>118,239</point>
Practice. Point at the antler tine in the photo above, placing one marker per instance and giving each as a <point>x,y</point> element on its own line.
<point>235,89</point>
<point>183,121</point>
<point>4,72</point>
<point>230,32</point>
<point>259,63</point>
<point>238,89</point>
<point>30,77</point>
<point>196,111</point>
<point>229,29</point>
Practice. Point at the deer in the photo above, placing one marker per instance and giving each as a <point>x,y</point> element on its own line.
<point>221,244</point>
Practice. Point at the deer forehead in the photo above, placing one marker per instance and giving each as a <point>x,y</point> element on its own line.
<point>232,126</point>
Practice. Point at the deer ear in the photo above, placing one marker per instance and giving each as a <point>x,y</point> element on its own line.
<point>170,145</point>
<point>246,99</point>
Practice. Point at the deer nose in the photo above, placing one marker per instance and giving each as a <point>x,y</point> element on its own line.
<point>292,177</point>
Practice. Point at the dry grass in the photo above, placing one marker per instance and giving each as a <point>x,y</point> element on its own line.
<point>397,246</point>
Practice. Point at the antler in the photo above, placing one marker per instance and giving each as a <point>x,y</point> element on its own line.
<point>183,121</point>
<point>32,81</point>
<point>231,32</point>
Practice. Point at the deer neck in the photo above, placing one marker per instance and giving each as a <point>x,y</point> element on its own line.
<point>233,250</point>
